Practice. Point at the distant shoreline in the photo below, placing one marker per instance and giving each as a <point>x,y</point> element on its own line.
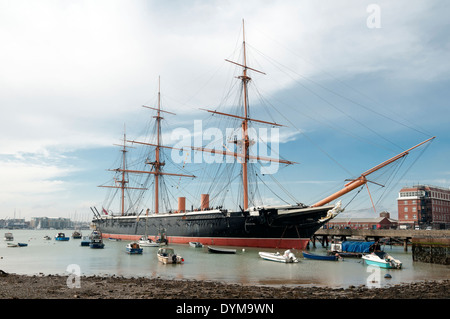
<point>13,286</point>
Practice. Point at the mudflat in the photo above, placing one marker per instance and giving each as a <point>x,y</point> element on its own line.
<point>13,286</point>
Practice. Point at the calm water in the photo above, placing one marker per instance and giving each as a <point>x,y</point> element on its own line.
<point>246,267</point>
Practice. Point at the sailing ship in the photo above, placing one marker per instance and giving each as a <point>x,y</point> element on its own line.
<point>268,226</point>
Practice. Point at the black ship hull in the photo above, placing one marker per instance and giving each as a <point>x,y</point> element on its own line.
<point>267,227</point>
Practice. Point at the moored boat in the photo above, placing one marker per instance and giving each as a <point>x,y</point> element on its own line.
<point>85,241</point>
<point>76,235</point>
<point>96,240</point>
<point>167,255</point>
<point>287,257</point>
<point>147,242</point>
<point>8,237</point>
<point>320,257</point>
<point>219,250</point>
<point>353,248</point>
<point>195,244</point>
<point>134,249</point>
<point>61,237</point>
<point>22,244</point>
<point>12,245</point>
<point>383,260</point>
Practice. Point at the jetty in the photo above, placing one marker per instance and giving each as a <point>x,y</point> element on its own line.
<point>432,246</point>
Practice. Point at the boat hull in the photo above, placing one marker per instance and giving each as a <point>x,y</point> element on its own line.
<point>97,245</point>
<point>320,257</point>
<point>134,251</point>
<point>386,262</point>
<point>266,228</point>
<point>217,250</point>
<point>277,257</point>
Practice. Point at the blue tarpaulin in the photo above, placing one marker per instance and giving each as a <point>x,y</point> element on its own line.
<point>357,246</point>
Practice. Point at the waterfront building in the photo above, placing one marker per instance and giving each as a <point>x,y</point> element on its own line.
<point>51,222</point>
<point>382,222</point>
<point>16,223</point>
<point>424,206</point>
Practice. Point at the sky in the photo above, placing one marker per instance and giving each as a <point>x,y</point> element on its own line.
<point>354,82</point>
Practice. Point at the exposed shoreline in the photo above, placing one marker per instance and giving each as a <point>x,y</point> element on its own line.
<point>13,286</point>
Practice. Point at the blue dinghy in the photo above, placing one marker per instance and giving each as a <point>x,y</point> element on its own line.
<point>319,257</point>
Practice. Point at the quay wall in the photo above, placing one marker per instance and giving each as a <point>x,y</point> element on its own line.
<point>431,250</point>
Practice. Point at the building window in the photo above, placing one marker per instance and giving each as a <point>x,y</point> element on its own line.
<point>405,202</point>
<point>415,217</point>
<point>414,209</point>
<point>406,216</point>
<point>405,209</point>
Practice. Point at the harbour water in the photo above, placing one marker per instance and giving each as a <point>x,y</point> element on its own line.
<point>246,267</point>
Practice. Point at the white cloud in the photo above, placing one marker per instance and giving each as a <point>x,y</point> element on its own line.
<point>73,72</point>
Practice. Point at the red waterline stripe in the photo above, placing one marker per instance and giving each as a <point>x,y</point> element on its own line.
<point>298,243</point>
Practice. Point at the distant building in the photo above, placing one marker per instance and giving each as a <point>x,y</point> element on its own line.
<point>50,222</point>
<point>382,222</point>
<point>424,206</point>
<point>16,223</point>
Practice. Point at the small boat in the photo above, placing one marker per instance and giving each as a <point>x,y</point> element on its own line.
<point>287,257</point>
<point>76,235</point>
<point>114,239</point>
<point>218,250</point>
<point>383,260</point>
<point>96,240</point>
<point>353,248</point>
<point>8,237</point>
<point>320,257</point>
<point>134,249</point>
<point>22,244</point>
<point>195,244</point>
<point>12,245</point>
<point>61,237</point>
<point>147,242</point>
<point>46,237</point>
<point>85,241</point>
<point>167,255</point>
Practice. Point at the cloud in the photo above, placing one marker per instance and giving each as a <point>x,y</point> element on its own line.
<point>73,73</point>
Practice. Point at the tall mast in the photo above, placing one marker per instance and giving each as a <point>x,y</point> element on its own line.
<point>245,146</point>
<point>244,155</point>
<point>123,182</point>
<point>157,163</point>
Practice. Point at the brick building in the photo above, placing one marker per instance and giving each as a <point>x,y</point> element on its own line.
<point>382,222</point>
<point>424,206</point>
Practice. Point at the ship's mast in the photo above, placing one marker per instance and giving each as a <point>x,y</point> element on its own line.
<point>244,155</point>
<point>157,164</point>
<point>245,148</point>
<point>122,184</point>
